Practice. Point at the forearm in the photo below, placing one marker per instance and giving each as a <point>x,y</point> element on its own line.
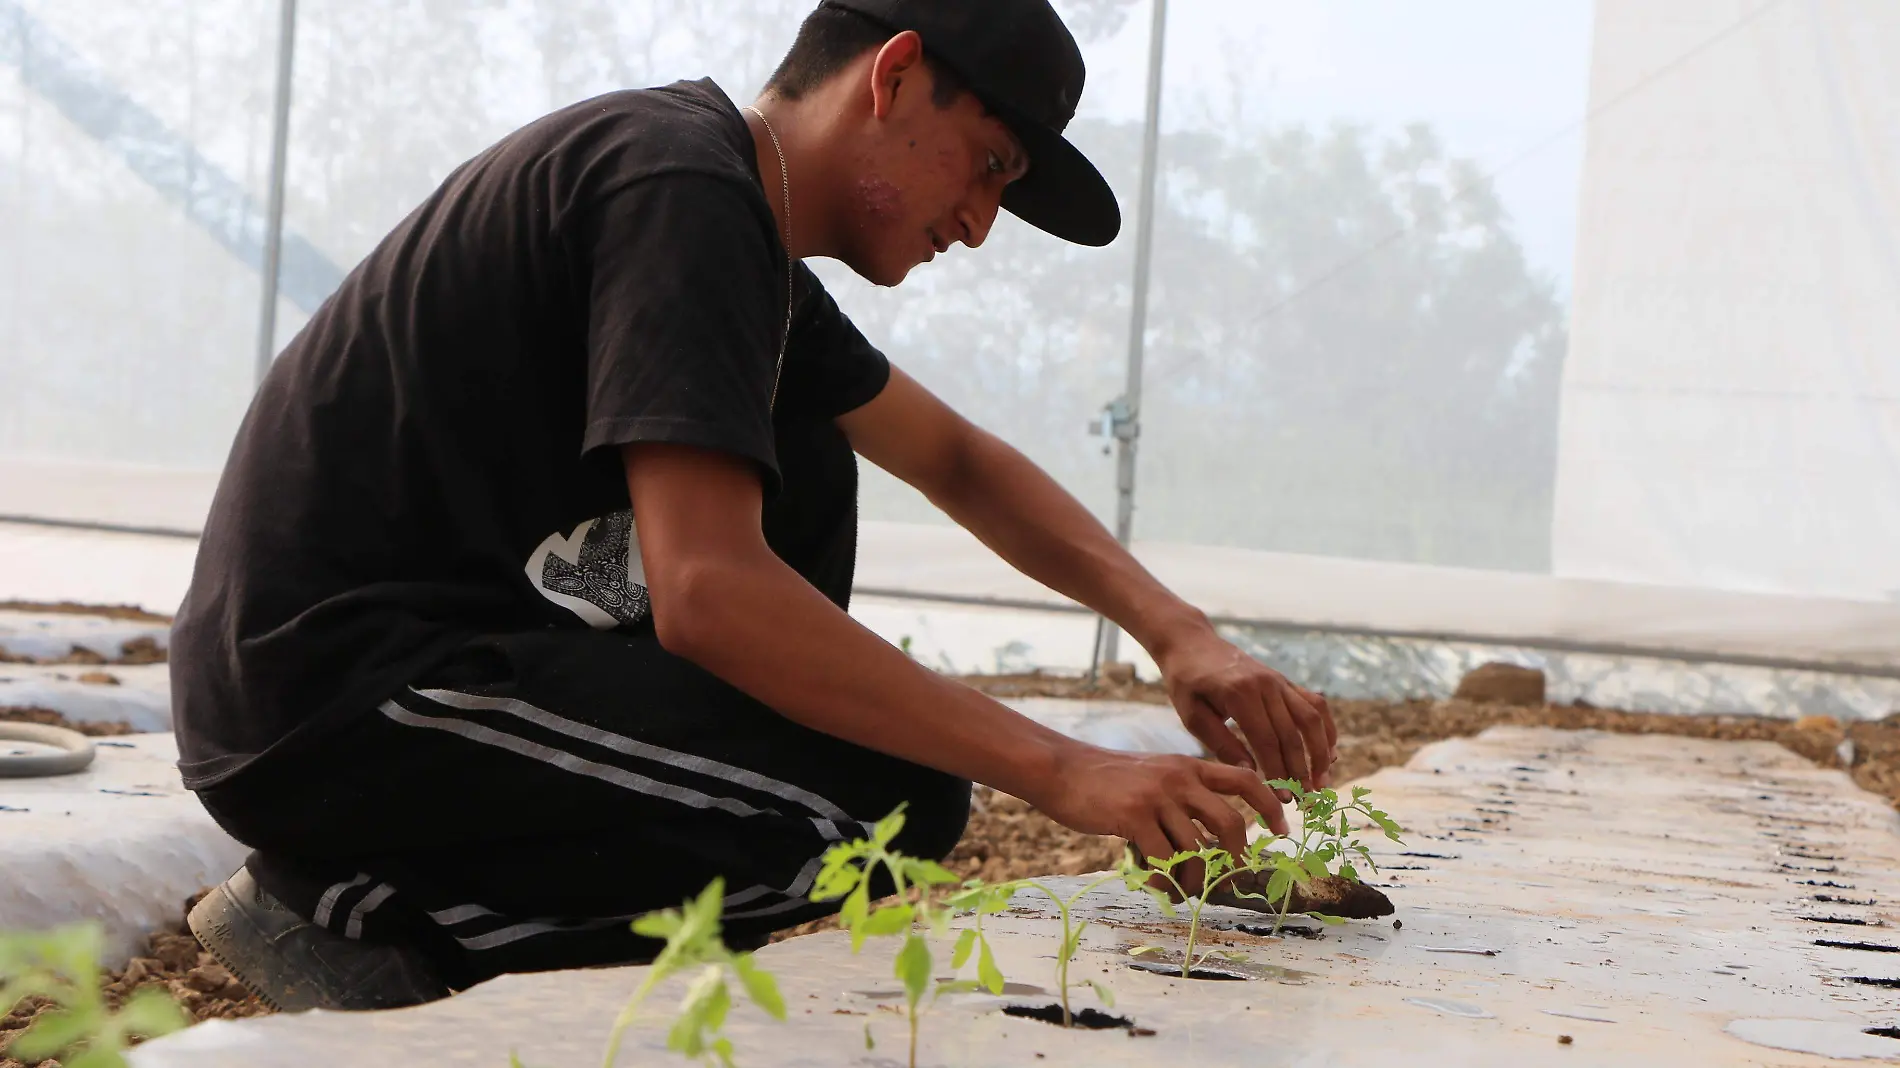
<point>1022,514</point>
<point>758,625</point>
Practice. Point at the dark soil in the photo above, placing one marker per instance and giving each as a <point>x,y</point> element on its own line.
<point>174,962</point>
<point>1090,1019</point>
<point>126,612</point>
<point>50,718</point>
<point>142,650</point>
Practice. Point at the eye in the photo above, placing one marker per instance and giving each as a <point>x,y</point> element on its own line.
<point>996,164</point>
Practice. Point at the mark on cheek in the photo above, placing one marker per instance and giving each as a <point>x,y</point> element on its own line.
<point>881,201</point>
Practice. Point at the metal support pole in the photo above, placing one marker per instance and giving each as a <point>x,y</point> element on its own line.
<point>1122,418</point>
<point>274,209</point>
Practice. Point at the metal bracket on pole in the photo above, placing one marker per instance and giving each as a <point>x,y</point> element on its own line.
<point>1118,422</point>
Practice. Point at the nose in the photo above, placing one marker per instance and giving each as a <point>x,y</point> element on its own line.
<point>977,214</point>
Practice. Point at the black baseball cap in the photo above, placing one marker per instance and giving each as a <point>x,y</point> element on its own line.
<point>1023,64</point>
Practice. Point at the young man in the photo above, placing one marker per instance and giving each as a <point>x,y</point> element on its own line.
<point>521,608</point>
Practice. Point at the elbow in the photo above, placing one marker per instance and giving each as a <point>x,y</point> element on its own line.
<point>685,605</point>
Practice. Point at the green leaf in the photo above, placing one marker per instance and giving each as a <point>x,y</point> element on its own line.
<point>150,1013</point>
<point>722,1048</point>
<point>889,920</point>
<point>965,943</point>
<point>1228,954</point>
<point>759,985</point>
<point>1315,866</point>
<point>1106,995</point>
<point>702,1012</point>
<point>1278,884</point>
<point>1360,793</point>
<point>888,827</point>
<point>931,872</point>
<point>986,970</point>
<point>1140,950</point>
<point>868,1043</point>
<point>1348,872</point>
<point>851,916</point>
<point>1330,921</point>
<point>658,924</point>
<point>1289,785</point>
<point>913,967</point>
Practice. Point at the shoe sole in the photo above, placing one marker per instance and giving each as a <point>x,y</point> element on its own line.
<point>211,922</point>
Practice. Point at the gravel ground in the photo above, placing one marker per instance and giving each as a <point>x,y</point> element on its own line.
<point>1007,839</point>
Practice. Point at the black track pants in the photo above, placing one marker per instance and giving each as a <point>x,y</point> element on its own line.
<point>513,810</point>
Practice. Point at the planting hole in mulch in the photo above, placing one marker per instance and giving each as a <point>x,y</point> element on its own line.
<point>1870,980</point>
<point>1849,921</point>
<point>1871,947</point>
<point>1882,1032</point>
<point>1089,1019</point>
<point>1294,930</point>
<point>1830,899</point>
<point>1173,971</point>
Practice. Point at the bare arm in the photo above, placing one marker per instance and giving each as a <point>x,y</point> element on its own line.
<point>1016,509</point>
<point>722,599</point>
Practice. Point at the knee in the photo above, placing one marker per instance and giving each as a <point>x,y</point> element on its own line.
<point>935,818</point>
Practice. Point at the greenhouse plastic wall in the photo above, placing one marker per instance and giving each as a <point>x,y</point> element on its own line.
<point>1412,295</point>
<point>133,146</point>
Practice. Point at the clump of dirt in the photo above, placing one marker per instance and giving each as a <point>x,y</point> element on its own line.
<point>1331,895</point>
<point>1502,684</point>
<point>48,717</point>
<point>173,961</point>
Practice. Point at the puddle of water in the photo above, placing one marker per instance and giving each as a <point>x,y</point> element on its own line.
<point>1451,1008</point>
<point>1827,1039</point>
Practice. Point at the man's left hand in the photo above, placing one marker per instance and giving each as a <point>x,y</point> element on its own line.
<point>1215,688</point>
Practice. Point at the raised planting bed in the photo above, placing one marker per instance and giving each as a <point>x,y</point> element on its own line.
<point>1605,898</point>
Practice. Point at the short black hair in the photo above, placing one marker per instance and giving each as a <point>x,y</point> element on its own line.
<point>829,39</point>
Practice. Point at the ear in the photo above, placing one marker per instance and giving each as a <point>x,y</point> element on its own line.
<point>901,60</point>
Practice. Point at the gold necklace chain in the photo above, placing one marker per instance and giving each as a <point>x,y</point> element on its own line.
<point>785,187</point>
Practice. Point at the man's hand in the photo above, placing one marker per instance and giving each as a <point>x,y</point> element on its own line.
<point>1290,730</point>
<point>1154,801</point>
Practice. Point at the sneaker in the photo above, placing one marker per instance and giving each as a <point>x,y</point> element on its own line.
<point>291,964</point>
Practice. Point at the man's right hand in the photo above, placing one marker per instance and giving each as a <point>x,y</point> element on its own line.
<point>1155,801</point>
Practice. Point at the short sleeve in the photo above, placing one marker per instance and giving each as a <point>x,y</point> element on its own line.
<point>830,368</point>
<point>686,308</point>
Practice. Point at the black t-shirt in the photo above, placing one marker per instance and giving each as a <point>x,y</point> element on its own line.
<point>433,457</point>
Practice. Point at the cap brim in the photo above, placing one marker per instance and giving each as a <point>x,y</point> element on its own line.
<point>1062,194</point>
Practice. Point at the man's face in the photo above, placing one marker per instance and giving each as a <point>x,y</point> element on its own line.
<point>925,178</point>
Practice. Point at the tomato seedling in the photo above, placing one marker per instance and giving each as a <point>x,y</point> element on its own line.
<point>63,965</point>
<point>983,900</point>
<point>692,938</point>
<point>849,868</point>
<point>1325,838</point>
